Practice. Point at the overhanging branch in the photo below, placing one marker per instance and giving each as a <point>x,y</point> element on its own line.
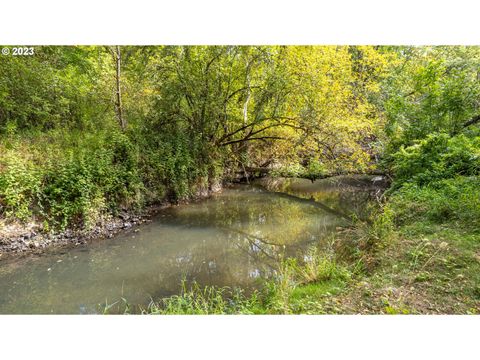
<point>252,139</point>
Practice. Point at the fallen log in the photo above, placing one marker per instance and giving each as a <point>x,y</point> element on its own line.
<point>251,173</point>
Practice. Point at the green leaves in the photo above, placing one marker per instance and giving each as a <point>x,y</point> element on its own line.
<point>57,86</point>
<point>438,156</point>
<point>74,188</point>
<point>196,114</point>
<point>431,89</point>
<point>453,201</point>
<point>20,185</point>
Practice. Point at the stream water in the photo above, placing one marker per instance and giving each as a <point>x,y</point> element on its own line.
<point>235,238</point>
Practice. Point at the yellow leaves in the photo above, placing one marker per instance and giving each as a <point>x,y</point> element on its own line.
<point>328,93</point>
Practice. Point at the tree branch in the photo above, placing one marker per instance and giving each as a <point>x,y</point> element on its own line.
<point>472,121</point>
<point>251,139</point>
<point>258,121</point>
<point>239,90</point>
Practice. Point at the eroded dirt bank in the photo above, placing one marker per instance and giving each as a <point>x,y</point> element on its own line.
<point>24,238</point>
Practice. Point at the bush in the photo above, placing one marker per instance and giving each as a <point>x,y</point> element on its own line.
<point>437,157</point>
<point>176,164</point>
<point>20,185</point>
<point>74,178</point>
<point>313,170</point>
<point>74,186</point>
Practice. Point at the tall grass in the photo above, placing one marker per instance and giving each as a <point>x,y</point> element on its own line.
<point>197,300</point>
<point>277,296</point>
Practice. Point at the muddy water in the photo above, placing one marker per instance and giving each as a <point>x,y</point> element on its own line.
<point>233,239</point>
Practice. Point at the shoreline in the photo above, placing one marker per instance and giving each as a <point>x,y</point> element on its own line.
<point>17,239</point>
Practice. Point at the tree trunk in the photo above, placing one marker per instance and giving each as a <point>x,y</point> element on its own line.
<point>244,146</point>
<point>118,104</point>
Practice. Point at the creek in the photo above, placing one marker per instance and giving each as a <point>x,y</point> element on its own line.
<point>235,238</point>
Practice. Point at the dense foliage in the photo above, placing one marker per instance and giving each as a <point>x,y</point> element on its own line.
<point>437,157</point>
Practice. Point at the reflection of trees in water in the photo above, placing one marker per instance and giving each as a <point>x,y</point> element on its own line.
<point>236,262</point>
<point>349,201</point>
<point>231,257</point>
<point>228,257</point>
<point>344,196</point>
<point>282,219</point>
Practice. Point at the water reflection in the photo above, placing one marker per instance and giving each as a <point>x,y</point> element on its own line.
<point>343,195</point>
<point>233,239</point>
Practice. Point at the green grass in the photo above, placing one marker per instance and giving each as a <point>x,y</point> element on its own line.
<point>454,201</point>
<point>205,301</point>
<point>429,260</point>
<point>428,269</point>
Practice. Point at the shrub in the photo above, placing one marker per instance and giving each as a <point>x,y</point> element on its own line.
<point>20,185</point>
<point>313,170</point>
<point>436,157</point>
<point>73,186</point>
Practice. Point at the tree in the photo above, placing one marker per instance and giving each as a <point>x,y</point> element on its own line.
<point>431,89</point>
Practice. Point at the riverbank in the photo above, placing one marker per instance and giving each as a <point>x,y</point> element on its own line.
<point>30,237</point>
<point>18,238</point>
